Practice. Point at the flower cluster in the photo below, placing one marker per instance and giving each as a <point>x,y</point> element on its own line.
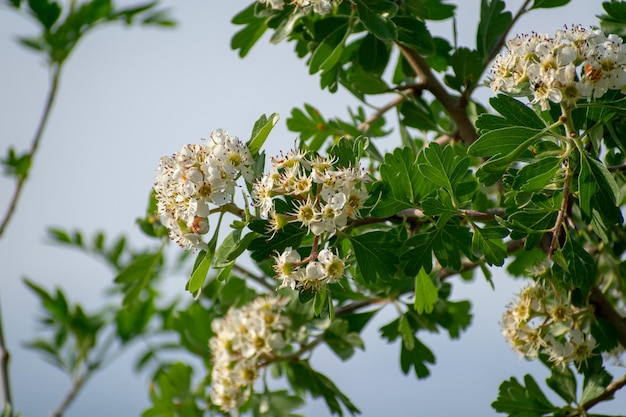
<point>245,339</point>
<point>322,198</point>
<point>576,63</point>
<point>540,321</point>
<point>318,6</point>
<point>199,175</point>
<point>308,274</point>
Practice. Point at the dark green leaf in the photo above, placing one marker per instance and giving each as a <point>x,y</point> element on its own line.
<point>415,34</point>
<point>374,16</point>
<point>545,4</point>
<point>45,11</point>
<point>515,112</point>
<point>519,401</point>
<point>597,189</point>
<point>594,385</point>
<point>467,66</point>
<point>493,22</point>
<point>563,382</point>
<point>535,176</point>
<point>254,28</point>
<point>374,252</point>
<point>327,53</point>
<point>373,55</point>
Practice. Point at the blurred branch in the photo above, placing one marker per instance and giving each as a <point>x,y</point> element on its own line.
<point>605,310</point>
<point>4,369</point>
<point>454,107</point>
<point>56,73</point>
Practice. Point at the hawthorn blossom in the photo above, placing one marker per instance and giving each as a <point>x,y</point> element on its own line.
<point>326,268</point>
<point>198,176</point>
<point>322,196</point>
<point>576,63</point>
<point>539,321</point>
<point>244,340</point>
<point>318,6</point>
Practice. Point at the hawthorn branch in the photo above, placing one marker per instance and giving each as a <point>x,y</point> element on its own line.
<point>400,98</point>
<point>4,367</point>
<point>454,107</point>
<point>608,393</point>
<point>52,93</point>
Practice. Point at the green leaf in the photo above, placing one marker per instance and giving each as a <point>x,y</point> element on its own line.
<point>400,173</point>
<point>563,382</point>
<point>545,4</point>
<point>417,358</point>
<point>373,55</point>
<point>417,114</point>
<point>535,176</point>
<point>45,11</point>
<point>407,333</point>
<point>515,112</point>
<point>426,294</point>
<point>597,189</point>
<point>374,16</point>
<point>491,247</point>
<point>467,66</point>
<point>505,141</point>
<point>374,252</point>
<point>261,130</point>
<point>304,379</point>
<point>594,385</point>
<point>329,50</point>
<point>519,401</point>
<point>254,28</point>
<point>137,274</point>
<point>200,271</point>
<point>16,165</point>
<point>493,22</point>
<point>414,33</point>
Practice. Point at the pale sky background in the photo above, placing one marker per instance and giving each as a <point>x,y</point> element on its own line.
<point>129,96</point>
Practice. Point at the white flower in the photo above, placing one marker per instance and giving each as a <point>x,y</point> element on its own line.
<point>195,177</point>
<point>244,339</point>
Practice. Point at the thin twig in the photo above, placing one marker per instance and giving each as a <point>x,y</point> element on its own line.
<point>512,246</point>
<point>384,109</point>
<point>607,394</point>
<point>5,379</point>
<point>259,280</point>
<point>56,73</point>
<point>496,49</point>
<point>455,109</point>
<point>77,384</point>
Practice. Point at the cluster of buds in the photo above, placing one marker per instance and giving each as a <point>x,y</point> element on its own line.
<point>576,63</point>
<point>308,274</point>
<point>198,176</point>
<point>318,6</point>
<point>321,197</point>
<point>245,340</point>
<point>540,321</point>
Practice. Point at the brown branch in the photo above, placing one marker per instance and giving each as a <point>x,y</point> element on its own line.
<point>384,109</point>
<point>613,387</point>
<point>259,280</point>
<point>617,168</point>
<point>56,74</point>
<point>4,367</point>
<point>496,49</point>
<point>604,310</point>
<point>454,107</point>
<point>512,246</point>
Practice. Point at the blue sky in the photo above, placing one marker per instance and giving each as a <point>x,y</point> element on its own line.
<point>129,96</point>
